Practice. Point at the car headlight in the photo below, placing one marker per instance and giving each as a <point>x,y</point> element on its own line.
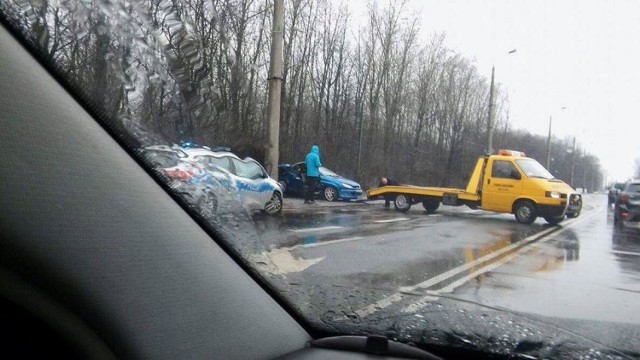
<point>347,186</point>
<point>554,194</point>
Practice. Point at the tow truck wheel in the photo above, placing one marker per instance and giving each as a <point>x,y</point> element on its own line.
<point>431,205</point>
<point>402,203</point>
<point>554,220</point>
<point>525,212</point>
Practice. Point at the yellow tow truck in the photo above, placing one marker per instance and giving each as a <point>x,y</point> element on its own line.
<point>508,182</point>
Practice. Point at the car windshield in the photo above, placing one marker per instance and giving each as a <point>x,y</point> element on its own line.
<point>326,172</point>
<point>422,93</point>
<point>533,169</point>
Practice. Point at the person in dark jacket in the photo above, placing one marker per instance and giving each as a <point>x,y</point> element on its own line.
<point>312,162</point>
<point>388,197</point>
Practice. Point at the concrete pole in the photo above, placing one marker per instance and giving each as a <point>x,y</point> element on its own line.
<point>549,146</point>
<point>489,149</point>
<point>573,162</point>
<point>275,84</point>
<point>361,131</point>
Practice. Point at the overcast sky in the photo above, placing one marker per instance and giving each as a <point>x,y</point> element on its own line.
<point>580,54</point>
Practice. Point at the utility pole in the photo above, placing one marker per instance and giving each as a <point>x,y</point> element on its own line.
<point>573,161</point>
<point>490,122</point>
<point>361,130</point>
<point>584,171</point>
<point>549,146</point>
<point>549,142</point>
<point>489,149</point>
<point>275,85</point>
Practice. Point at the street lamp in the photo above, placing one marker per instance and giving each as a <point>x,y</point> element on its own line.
<point>490,125</point>
<point>549,140</point>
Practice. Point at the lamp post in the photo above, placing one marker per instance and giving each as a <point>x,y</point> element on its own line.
<point>549,140</point>
<point>490,122</point>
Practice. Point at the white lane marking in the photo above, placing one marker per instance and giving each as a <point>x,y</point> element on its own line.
<point>625,252</point>
<point>281,261</point>
<point>449,288</point>
<point>323,243</point>
<point>321,228</point>
<point>370,309</point>
<point>391,220</point>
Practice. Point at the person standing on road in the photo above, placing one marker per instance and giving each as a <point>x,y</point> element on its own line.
<point>312,162</point>
<point>388,197</point>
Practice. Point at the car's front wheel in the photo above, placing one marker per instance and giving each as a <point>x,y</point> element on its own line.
<point>573,215</point>
<point>330,193</point>
<point>274,205</point>
<point>554,220</point>
<point>525,212</point>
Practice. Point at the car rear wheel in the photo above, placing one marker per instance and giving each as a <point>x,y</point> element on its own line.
<point>330,193</point>
<point>208,204</point>
<point>402,203</point>
<point>431,205</point>
<point>525,212</point>
<point>274,205</point>
<point>616,219</point>
<point>573,215</point>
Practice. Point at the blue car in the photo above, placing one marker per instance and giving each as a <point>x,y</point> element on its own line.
<point>332,186</point>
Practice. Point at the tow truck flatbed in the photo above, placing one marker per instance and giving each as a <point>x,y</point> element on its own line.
<point>508,182</point>
<point>423,191</point>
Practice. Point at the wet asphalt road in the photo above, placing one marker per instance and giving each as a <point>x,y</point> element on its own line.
<point>360,263</point>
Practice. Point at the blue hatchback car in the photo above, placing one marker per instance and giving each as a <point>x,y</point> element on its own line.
<point>332,186</point>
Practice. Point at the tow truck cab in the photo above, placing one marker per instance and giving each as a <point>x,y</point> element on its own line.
<point>514,183</point>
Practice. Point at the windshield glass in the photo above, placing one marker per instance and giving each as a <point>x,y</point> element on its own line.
<point>533,169</point>
<point>386,92</point>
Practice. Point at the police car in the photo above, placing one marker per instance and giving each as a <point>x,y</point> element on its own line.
<point>255,189</point>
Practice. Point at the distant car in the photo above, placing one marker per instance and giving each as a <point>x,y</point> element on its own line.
<point>627,208</point>
<point>613,193</point>
<point>332,186</point>
<point>257,191</point>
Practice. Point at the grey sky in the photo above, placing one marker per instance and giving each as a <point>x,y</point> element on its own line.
<point>580,54</point>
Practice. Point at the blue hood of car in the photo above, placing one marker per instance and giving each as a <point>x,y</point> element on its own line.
<point>337,180</point>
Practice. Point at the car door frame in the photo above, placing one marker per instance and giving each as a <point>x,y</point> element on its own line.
<point>499,192</point>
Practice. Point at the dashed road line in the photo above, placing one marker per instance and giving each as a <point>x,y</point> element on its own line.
<point>330,242</point>
<point>391,220</point>
<point>625,252</point>
<point>321,228</point>
<point>385,302</point>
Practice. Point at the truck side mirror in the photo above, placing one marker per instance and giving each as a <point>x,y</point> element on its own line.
<point>515,175</point>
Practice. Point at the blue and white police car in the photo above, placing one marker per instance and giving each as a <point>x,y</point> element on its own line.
<point>256,190</point>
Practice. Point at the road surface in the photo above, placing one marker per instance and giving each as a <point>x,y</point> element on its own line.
<point>359,263</point>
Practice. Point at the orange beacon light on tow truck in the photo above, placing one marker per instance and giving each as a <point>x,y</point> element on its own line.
<point>504,152</point>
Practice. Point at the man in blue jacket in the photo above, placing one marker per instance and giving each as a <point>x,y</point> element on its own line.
<point>312,162</point>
